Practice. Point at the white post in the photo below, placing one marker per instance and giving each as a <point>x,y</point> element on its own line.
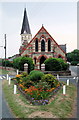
<point>9,80</point>
<point>7,76</point>
<point>77,80</point>
<point>68,82</point>
<point>26,67</point>
<point>14,89</point>
<point>64,89</point>
<point>57,76</point>
<point>17,71</point>
<point>43,67</point>
<point>74,77</point>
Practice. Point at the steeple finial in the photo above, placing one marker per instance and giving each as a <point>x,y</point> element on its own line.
<point>25,24</point>
<point>42,25</point>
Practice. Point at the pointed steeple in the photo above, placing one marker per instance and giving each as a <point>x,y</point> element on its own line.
<point>25,24</point>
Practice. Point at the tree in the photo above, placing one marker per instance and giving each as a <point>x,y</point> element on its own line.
<point>73,57</point>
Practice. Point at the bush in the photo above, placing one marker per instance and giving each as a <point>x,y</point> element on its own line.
<point>20,61</point>
<point>8,63</point>
<point>52,64</point>
<point>74,62</point>
<point>24,74</point>
<point>64,65</point>
<point>50,79</point>
<point>36,75</point>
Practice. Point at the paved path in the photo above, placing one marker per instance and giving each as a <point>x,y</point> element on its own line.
<point>6,113</point>
<point>4,109</point>
<point>74,70</point>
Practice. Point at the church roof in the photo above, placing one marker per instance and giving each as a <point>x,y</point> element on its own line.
<point>63,47</point>
<point>42,31</point>
<point>25,24</point>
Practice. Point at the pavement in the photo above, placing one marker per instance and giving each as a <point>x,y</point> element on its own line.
<point>5,111</point>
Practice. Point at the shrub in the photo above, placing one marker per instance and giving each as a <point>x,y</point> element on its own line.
<point>24,74</point>
<point>8,63</point>
<point>52,64</point>
<point>20,61</point>
<point>74,62</point>
<point>16,62</point>
<point>64,65</point>
<point>50,79</point>
<point>36,75</point>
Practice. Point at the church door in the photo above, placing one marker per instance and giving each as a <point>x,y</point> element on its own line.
<point>42,59</point>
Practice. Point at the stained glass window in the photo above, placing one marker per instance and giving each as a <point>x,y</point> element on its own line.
<point>49,45</point>
<point>36,45</point>
<point>42,45</point>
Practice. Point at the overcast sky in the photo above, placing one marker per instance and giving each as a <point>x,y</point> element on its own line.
<point>59,19</point>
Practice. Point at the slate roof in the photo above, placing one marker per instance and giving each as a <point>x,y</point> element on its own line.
<point>25,24</point>
<point>63,47</point>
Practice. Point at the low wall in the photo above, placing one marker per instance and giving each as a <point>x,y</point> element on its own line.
<point>60,73</point>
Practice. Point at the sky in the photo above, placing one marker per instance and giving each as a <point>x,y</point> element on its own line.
<point>59,19</point>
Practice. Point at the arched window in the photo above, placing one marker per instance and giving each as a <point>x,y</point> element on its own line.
<point>35,60</point>
<point>42,45</point>
<point>49,45</point>
<point>59,56</point>
<point>36,45</point>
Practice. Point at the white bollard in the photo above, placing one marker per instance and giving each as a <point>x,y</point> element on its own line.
<point>57,76</point>
<point>74,77</point>
<point>9,80</point>
<point>77,80</point>
<point>14,89</point>
<point>68,82</point>
<point>64,89</point>
<point>7,76</point>
<point>17,71</point>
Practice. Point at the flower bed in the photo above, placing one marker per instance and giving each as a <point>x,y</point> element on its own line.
<point>37,92</point>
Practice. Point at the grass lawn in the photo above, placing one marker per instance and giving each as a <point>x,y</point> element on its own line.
<point>60,107</point>
<point>2,71</point>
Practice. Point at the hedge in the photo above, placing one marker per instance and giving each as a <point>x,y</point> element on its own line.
<point>55,64</point>
<point>20,61</point>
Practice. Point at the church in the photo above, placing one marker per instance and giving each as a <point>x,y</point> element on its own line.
<point>41,47</point>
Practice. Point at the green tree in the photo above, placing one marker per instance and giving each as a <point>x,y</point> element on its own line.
<point>73,57</point>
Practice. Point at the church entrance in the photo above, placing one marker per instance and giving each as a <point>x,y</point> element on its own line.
<point>42,59</point>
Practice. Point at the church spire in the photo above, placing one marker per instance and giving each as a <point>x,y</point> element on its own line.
<point>25,24</point>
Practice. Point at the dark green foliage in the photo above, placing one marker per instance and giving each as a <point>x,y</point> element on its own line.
<point>50,79</point>
<point>73,56</point>
<point>74,62</point>
<point>19,62</point>
<point>55,64</point>
<point>52,64</point>
<point>36,75</point>
<point>16,62</point>
<point>64,65</point>
<point>8,63</point>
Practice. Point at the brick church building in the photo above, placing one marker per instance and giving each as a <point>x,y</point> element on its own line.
<point>41,46</point>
